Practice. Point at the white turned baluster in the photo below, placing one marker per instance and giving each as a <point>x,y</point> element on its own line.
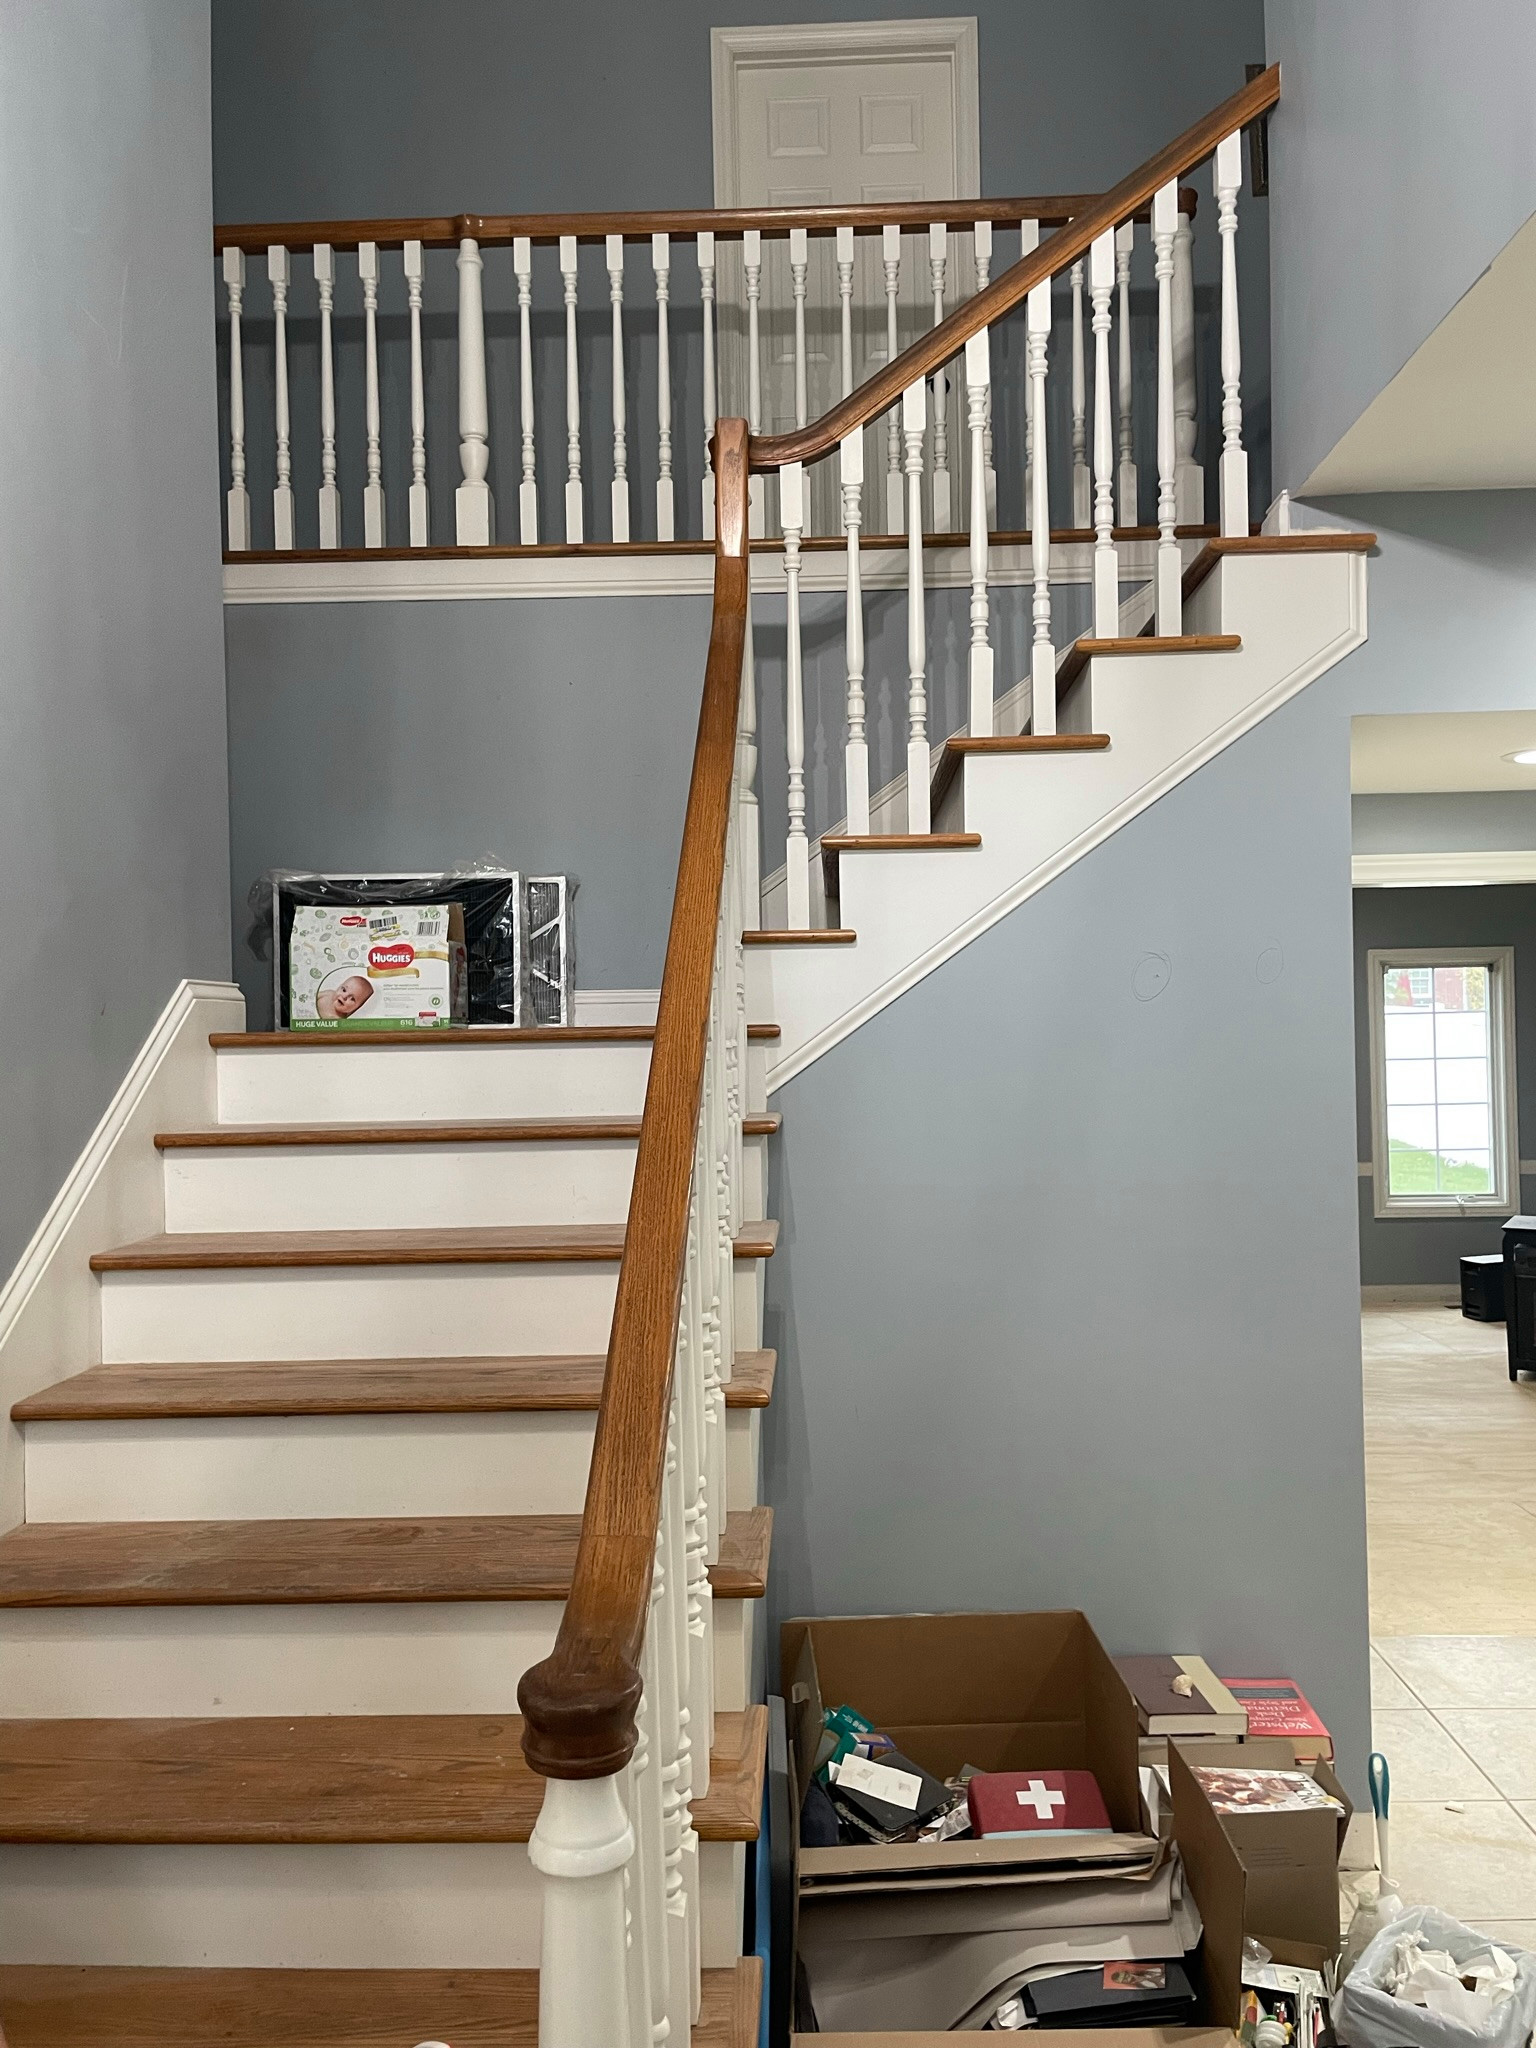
<point>614,250</point>
<point>752,269</point>
<point>676,1759</point>
<point>237,502</point>
<point>649,1866</point>
<point>528,489</point>
<point>694,1372</point>
<point>420,512</point>
<point>895,483</point>
<point>684,1899</point>
<point>797,868</point>
<point>573,521</point>
<point>474,515</point>
<point>278,275</point>
<point>1125,242</point>
<point>799,259</point>
<point>373,489</point>
<point>1165,207</point>
<point>706,256</point>
<point>1228,176</point>
<point>856,752</point>
<point>1106,561</point>
<point>982,237</point>
<point>978,386</point>
<point>1042,669</point>
<point>1082,485</point>
<point>1029,241</point>
<point>661,264</point>
<point>330,496</point>
<point>580,1846</point>
<point>845,302</point>
<point>1188,476</point>
<point>943,521</point>
<point>914,406</point>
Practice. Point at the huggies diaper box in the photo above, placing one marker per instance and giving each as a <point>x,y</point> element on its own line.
<point>377,968</point>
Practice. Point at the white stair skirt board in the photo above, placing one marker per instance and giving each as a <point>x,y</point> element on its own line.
<point>253,1468</point>
<point>49,1320</point>
<point>538,1309</point>
<point>357,1657</point>
<point>407,1905</point>
<point>1166,714</point>
<point>402,1187</point>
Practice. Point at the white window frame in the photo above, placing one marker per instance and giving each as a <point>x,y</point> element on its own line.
<point>1504,1149</point>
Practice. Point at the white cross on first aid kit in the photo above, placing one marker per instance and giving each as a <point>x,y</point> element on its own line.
<point>1040,1796</point>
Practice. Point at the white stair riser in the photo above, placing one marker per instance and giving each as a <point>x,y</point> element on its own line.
<point>418,1905</point>
<point>375,1657</point>
<point>353,1083</point>
<point>300,1467</point>
<point>470,1311</point>
<point>408,1187</point>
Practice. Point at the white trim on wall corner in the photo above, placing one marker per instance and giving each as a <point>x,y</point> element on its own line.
<point>1470,869</point>
<point>617,1005</point>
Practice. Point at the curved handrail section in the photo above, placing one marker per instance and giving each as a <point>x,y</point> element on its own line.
<point>579,1705</point>
<point>1071,241</point>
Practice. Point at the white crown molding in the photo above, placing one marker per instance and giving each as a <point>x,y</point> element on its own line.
<point>1460,870</point>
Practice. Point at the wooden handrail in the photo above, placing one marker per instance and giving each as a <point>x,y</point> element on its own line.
<point>940,343</point>
<point>579,1705</point>
<point>726,223</point>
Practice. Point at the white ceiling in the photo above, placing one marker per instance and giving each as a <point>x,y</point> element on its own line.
<point>1440,750</point>
<point>1461,413</point>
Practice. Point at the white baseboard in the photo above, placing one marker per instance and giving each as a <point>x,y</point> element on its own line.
<point>50,1323</point>
<point>1381,1297</point>
<point>616,1005</point>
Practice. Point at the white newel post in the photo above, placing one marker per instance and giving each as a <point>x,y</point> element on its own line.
<point>978,387</point>
<point>856,748</point>
<point>1165,209</point>
<point>373,489</point>
<point>661,265</point>
<point>528,488</point>
<point>279,272</point>
<point>420,510</point>
<point>237,504</point>
<point>1228,176</point>
<point>799,260</point>
<point>1126,491</point>
<point>845,302</point>
<point>1029,242</point>
<point>614,253</point>
<point>797,866</point>
<point>706,256</point>
<point>1042,667</point>
<point>1106,560</point>
<point>752,270</point>
<point>1082,484</point>
<point>1188,476</point>
<point>982,237</point>
<point>580,1846</point>
<point>943,515</point>
<point>330,495</point>
<point>573,521</point>
<point>474,516</point>
<point>914,408</point>
<point>895,483</point>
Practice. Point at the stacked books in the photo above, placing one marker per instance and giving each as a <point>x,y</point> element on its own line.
<point>1278,1706</point>
<point>1180,1696</point>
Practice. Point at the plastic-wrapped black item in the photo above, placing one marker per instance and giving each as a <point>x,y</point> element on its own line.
<point>548,946</point>
<point>492,899</point>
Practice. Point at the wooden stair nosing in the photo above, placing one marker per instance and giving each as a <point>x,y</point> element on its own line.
<point>1272,544</point>
<point>833,935</point>
<point>508,1131</point>
<point>835,844</point>
<point>1087,649</point>
<point>327,1561</point>
<point>351,1386</point>
<point>459,1034</point>
<point>501,1244</point>
<point>956,749</point>
<point>58,2006</point>
<point>322,1778</point>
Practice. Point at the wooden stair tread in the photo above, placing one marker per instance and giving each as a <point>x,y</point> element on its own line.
<point>821,936</point>
<point>44,2006</point>
<point>956,749</point>
<point>835,844</point>
<point>351,1386</point>
<point>498,1244</point>
<point>1273,544</point>
<point>448,1557</point>
<point>325,1778</point>
<point>504,1131</point>
<point>465,1034</point>
<point>1089,649</point>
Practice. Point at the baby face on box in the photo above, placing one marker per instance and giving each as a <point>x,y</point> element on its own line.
<point>390,967</point>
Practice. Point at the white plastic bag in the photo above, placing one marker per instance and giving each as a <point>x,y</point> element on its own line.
<point>1367,2016</point>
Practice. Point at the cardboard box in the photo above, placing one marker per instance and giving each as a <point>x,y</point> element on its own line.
<point>385,967</point>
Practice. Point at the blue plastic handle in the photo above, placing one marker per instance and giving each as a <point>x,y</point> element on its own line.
<point>1381,1784</point>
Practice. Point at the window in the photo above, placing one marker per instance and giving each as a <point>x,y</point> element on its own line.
<point>1443,1081</point>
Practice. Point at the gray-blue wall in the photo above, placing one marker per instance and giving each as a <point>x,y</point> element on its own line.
<point>113,816</point>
